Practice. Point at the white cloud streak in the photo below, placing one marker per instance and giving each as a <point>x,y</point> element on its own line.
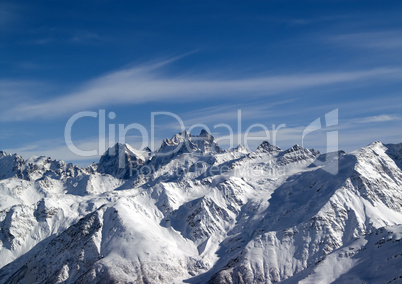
<point>375,40</point>
<point>56,149</point>
<point>145,83</point>
<point>379,118</point>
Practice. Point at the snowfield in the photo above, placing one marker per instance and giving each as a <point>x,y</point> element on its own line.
<point>191,212</point>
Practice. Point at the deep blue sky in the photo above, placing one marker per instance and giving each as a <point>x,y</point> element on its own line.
<point>277,61</point>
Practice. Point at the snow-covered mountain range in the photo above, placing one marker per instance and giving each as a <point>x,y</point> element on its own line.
<point>191,212</point>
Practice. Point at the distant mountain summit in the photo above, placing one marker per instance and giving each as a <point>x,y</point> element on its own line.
<point>268,148</point>
<point>120,160</point>
<point>191,212</point>
<point>184,142</point>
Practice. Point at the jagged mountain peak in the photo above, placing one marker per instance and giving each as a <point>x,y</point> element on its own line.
<point>267,147</point>
<point>181,137</point>
<point>116,148</point>
<point>147,149</point>
<point>120,148</point>
<point>185,142</point>
<point>120,159</point>
<point>10,165</point>
<point>300,149</point>
<point>295,148</point>
<point>240,149</point>
<point>372,146</point>
<point>204,133</point>
<point>206,142</point>
<point>35,167</point>
<point>39,160</point>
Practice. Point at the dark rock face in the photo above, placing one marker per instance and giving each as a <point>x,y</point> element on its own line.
<point>119,161</point>
<point>184,142</point>
<point>268,147</point>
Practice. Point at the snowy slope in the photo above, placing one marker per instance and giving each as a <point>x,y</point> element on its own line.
<point>191,212</point>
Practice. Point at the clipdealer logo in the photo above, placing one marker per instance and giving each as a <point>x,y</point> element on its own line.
<point>107,133</point>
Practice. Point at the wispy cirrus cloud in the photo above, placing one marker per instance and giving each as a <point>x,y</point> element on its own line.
<point>12,92</point>
<point>376,40</point>
<point>147,83</point>
<point>56,149</point>
<point>379,118</point>
<point>230,112</point>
